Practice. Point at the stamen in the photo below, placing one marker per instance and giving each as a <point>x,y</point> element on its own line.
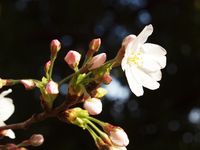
<point>135,58</point>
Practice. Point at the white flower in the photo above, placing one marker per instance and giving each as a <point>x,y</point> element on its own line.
<point>6,110</point>
<point>143,62</point>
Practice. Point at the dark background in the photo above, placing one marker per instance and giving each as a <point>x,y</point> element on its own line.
<point>165,119</point>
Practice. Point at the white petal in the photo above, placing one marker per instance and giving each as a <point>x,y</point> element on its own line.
<point>156,53</point>
<point>149,63</point>
<point>146,32</point>
<point>134,45</point>
<point>154,49</point>
<point>134,85</point>
<point>6,108</point>
<point>147,80</point>
<point>9,133</point>
<point>4,93</point>
<point>156,75</point>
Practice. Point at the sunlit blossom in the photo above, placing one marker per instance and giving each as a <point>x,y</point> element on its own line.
<point>6,110</point>
<point>142,62</point>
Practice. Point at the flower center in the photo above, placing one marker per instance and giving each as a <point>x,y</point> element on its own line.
<point>135,58</point>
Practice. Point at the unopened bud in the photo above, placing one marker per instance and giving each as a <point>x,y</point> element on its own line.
<point>97,61</point>
<point>107,78</point>
<point>93,106</point>
<point>117,135</point>
<point>47,66</point>
<point>36,140</point>
<point>28,84</point>
<point>95,44</point>
<point>2,82</point>
<point>72,59</point>
<point>52,87</point>
<point>55,46</point>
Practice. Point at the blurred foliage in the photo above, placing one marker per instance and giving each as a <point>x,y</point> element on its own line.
<point>162,119</point>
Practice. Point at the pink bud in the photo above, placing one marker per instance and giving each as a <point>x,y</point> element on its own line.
<point>36,140</point>
<point>52,87</point>
<point>95,44</point>
<point>97,61</point>
<point>47,66</point>
<point>93,106</point>
<point>118,136</point>
<point>55,47</point>
<point>28,84</point>
<point>72,58</point>
<point>107,78</point>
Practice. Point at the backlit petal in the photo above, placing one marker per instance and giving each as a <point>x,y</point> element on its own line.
<point>135,86</point>
<point>154,49</point>
<point>147,81</point>
<point>149,64</point>
<point>157,75</point>
<point>6,108</point>
<point>146,32</point>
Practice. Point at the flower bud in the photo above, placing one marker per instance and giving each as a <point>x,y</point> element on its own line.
<point>36,140</point>
<point>97,61</point>
<point>107,78</point>
<point>28,84</point>
<point>47,66</point>
<point>95,44</point>
<point>72,59</point>
<point>93,106</point>
<point>52,87</point>
<point>2,82</point>
<point>117,135</point>
<point>55,46</point>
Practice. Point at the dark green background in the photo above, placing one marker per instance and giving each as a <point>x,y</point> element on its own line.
<point>159,120</point>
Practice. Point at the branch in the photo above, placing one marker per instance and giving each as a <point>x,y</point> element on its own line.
<point>39,117</point>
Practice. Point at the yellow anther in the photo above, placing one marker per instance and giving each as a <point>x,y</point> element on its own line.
<point>135,58</point>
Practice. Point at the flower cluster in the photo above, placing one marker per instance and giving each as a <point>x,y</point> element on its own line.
<point>142,63</point>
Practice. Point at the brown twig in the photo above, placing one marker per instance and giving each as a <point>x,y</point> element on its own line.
<point>38,117</point>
